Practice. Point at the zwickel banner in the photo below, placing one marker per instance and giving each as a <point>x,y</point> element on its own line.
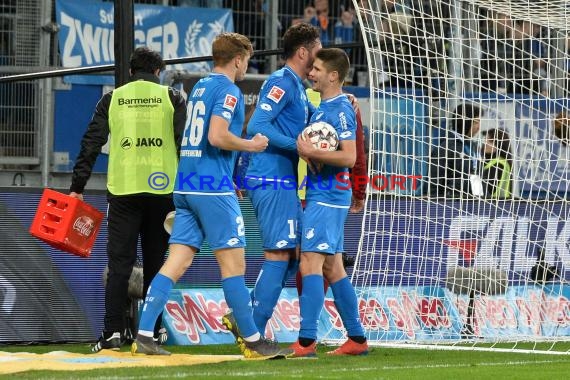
<point>86,37</point>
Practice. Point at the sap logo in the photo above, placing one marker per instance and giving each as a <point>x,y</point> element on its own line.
<point>281,243</point>
<point>323,246</point>
<point>149,141</point>
<point>343,122</point>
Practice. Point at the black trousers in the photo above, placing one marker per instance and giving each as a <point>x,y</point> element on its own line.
<point>130,217</point>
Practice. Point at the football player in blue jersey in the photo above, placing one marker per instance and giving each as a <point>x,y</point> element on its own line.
<point>326,211</point>
<point>282,112</point>
<point>206,204</point>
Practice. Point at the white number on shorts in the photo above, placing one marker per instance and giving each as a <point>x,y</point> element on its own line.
<point>292,225</point>
<point>241,227</point>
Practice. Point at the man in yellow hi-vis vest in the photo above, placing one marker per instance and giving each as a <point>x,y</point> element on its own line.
<point>144,122</point>
<point>496,174</point>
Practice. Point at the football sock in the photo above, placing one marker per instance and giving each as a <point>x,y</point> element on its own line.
<point>358,339</point>
<point>292,270</point>
<point>311,303</point>
<point>306,342</point>
<point>267,291</point>
<point>156,298</point>
<point>237,298</point>
<point>347,306</point>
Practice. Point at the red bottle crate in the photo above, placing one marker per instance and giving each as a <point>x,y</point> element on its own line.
<point>66,223</point>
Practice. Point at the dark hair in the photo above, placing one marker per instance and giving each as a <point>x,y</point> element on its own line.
<point>502,141</point>
<point>335,60</point>
<point>562,127</point>
<point>297,36</point>
<point>145,60</point>
<point>462,117</point>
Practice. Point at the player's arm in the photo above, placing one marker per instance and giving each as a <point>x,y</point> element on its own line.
<point>95,137</point>
<point>360,169</point>
<point>266,112</point>
<point>219,135</point>
<point>360,166</point>
<point>344,157</point>
<point>179,117</point>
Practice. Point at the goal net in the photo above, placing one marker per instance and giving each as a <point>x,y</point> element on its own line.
<point>465,237</point>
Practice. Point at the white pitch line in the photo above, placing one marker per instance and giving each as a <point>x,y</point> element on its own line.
<point>330,372</point>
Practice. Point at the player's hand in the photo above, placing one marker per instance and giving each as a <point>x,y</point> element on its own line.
<point>354,102</point>
<point>305,147</point>
<point>239,193</point>
<point>259,143</point>
<point>76,195</point>
<point>312,166</point>
<point>356,206</point>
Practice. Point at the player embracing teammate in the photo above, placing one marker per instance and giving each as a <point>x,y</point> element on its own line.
<point>281,114</point>
<point>322,243</point>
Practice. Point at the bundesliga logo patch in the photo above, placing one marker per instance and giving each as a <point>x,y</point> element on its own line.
<point>230,102</point>
<point>276,94</point>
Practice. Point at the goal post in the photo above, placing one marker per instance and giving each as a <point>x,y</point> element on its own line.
<point>466,231</point>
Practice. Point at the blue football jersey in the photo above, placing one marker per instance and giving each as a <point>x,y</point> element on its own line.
<point>331,184</point>
<point>283,109</point>
<point>203,167</point>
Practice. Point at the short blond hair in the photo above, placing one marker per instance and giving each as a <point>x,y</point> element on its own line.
<point>227,46</point>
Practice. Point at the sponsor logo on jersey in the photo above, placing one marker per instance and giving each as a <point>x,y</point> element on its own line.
<point>139,101</point>
<point>230,102</point>
<point>322,246</point>
<point>266,107</point>
<point>227,115</point>
<point>281,243</point>
<point>275,94</point>
<point>343,122</point>
<point>345,134</point>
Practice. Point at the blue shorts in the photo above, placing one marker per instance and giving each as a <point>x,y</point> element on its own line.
<point>214,218</point>
<point>277,210</point>
<point>323,228</point>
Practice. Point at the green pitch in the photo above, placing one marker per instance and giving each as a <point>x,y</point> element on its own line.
<point>381,363</point>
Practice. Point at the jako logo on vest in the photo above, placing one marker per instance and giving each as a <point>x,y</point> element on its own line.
<point>127,142</point>
<point>134,101</point>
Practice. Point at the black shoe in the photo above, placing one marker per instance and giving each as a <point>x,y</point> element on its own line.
<point>146,345</point>
<point>108,341</point>
<point>265,349</point>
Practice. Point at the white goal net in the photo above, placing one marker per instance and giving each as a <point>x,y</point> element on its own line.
<point>465,238</point>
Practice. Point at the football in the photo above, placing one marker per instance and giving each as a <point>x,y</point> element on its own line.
<point>322,135</point>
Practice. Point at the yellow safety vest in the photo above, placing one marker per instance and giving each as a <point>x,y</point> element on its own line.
<point>503,189</point>
<point>142,150</point>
